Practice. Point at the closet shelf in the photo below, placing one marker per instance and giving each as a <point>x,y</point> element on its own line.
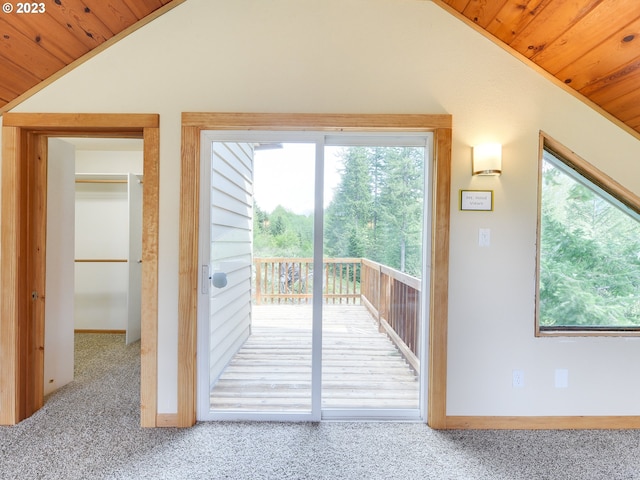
<point>105,177</point>
<point>99,180</point>
<point>101,260</point>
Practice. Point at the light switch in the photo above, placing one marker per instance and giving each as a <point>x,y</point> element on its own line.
<point>484,237</point>
<point>562,378</point>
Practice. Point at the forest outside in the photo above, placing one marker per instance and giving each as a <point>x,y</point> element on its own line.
<point>375,211</point>
<point>589,255</point>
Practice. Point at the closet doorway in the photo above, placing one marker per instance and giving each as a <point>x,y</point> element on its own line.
<point>108,235</point>
<point>23,251</point>
<point>94,247</point>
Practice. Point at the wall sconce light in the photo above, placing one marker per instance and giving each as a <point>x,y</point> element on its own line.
<point>487,159</point>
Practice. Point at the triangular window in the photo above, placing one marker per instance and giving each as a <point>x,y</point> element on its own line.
<point>588,248</point>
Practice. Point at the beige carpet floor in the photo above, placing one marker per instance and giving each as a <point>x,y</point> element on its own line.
<point>89,430</point>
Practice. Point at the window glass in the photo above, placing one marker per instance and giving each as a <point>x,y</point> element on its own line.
<point>589,253</point>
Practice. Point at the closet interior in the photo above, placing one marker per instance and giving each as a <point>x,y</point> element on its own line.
<point>94,246</point>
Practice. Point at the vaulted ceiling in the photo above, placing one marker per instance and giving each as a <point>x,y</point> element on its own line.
<point>39,41</point>
<point>591,47</point>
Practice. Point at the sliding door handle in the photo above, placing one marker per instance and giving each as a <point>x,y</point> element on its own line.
<point>219,279</point>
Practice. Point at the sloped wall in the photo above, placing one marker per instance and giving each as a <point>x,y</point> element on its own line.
<point>385,56</point>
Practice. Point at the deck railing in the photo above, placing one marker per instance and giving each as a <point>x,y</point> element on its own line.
<point>392,297</point>
<point>290,280</point>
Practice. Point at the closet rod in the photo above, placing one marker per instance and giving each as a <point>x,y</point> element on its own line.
<point>101,260</point>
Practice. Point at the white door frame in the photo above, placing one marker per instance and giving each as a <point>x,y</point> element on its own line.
<point>321,139</point>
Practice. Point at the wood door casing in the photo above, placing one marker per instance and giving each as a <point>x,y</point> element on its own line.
<point>23,252</point>
<point>194,123</point>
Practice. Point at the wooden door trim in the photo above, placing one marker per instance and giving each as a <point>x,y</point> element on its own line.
<point>194,123</point>
<point>10,304</point>
<point>24,140</point>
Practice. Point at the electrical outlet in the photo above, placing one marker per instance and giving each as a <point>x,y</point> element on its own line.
<point>518,379</point>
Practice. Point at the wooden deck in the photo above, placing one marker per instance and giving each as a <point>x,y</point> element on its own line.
<point>362,368</point>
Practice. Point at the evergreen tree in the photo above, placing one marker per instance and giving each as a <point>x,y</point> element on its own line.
<point>348,217</point>
<point>376,212</point>
<point>282,233</point>
<point>589,257</point>
<point>401,204</point>
<point>377,167</point>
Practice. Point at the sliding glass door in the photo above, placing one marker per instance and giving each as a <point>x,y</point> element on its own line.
<point>373,248</point>
<point>312,252</point>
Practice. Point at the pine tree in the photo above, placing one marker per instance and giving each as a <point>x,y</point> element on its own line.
<point>376,212</point>
<point>350,212</point>
<point>589,257</point>
<point>401,206</point>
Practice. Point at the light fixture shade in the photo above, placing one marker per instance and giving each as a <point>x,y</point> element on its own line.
<point>487,159</point>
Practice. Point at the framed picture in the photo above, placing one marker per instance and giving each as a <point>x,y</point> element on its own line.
<point>476,200</point>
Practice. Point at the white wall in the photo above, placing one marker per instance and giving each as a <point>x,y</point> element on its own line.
<point>385,56</point>
<point>118,156</point>
<point>102,232</point>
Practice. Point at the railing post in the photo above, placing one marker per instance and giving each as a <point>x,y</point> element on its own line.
<point>380,306</point>
<point>258,282</point>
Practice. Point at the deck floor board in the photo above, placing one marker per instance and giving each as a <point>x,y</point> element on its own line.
<point>362,368</point>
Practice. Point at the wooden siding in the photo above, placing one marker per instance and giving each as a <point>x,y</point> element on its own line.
<point>231,224</point>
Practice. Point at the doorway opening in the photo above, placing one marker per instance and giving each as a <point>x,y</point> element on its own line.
<point>192,126</point>
<point>24,260</point>
<point>319,241</point>
<point>94,247</point>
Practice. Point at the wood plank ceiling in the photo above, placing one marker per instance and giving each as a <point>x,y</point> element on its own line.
<point>592,46</point>
<point>39,40</point>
